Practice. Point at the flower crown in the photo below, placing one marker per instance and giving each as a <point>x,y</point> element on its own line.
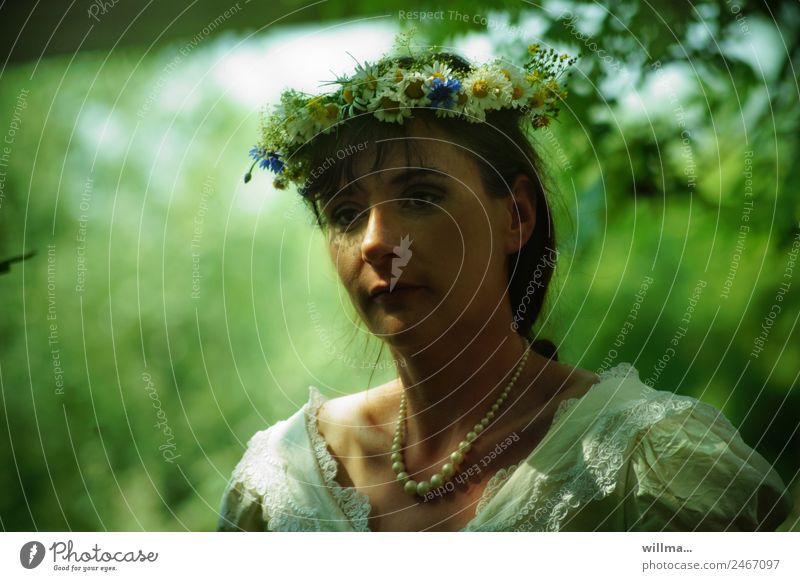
<point>394,85</point>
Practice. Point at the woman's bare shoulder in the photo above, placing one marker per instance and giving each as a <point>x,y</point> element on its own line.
<point>358,418</point>
<point>570,381</point>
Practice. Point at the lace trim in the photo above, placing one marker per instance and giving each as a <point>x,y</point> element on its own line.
<point>594,472</point>
<point>588,478</point>
<point>495,483</point>
<point>500,477</point>
<point>619,371</point>
<point>258,471</point>
<point>354,503</point>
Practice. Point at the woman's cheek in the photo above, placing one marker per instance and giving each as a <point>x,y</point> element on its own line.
<point>342,247</point>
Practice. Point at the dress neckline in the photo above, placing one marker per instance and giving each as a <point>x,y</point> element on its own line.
<point>356,505</point>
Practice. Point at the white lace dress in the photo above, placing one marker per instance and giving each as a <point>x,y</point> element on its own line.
<point>621,457</point>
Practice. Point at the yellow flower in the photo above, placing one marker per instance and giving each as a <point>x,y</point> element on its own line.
<point>414,89</point>
<point>331,111</point>
<point>534,76</point>
<point>480,88</point>
<point>533,48</point>
<point>554,89</point>
<point>436,70</point>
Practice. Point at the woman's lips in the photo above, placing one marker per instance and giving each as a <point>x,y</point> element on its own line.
<point>400,293</point>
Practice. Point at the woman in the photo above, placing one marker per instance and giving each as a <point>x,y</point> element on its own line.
<point>422,178</point>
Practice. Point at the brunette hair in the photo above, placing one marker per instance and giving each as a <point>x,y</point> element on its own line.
<point>501,142</point>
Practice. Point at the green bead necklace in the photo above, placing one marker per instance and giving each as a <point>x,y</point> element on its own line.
<point>412,487</point>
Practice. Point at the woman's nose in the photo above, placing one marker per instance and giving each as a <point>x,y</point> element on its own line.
<point>381,235</point>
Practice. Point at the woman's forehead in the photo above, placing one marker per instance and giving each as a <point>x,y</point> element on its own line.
<point>399,168</point>
<point>412,158</point>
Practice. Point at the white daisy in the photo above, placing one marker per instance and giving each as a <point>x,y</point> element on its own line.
<point>395,76</point>
<point>486,89</point>
<point>521,88</point>
<point>353,101</point>
<point>365,81</point>
<point>322,114</point>
<point>301,126</point>
<point>436,70</point>
<point>387,107</point>
<point>385,84</point>
<point>537,103</point>
<point>290,115</point>
<point>411,91</point>
<point>442,74</point>
<point>316,116</point>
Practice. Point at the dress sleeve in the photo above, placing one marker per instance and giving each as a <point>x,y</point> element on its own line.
<point>691,471</point>
<point>242,506</point>
<point>240,510</point>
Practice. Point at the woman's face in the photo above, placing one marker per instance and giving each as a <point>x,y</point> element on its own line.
<point>427,224</point>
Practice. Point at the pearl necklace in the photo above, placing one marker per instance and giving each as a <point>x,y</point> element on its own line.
<point>412,487</point>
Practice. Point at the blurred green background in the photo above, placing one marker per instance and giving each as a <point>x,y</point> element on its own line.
<point>170,311</point>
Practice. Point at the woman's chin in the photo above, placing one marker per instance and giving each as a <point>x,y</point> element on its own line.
<point>401,331</point>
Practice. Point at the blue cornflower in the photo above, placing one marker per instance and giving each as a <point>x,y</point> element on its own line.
<point>272,162</point>
<point>276,164</point>
<point>258,153</point>
<point>442,95</point>
<point>267,159</point>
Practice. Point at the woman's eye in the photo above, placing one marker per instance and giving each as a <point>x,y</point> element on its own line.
<point>423,200</point>
<point>344,216</point>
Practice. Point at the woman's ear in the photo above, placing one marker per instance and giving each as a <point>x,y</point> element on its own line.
<point>521,205</point>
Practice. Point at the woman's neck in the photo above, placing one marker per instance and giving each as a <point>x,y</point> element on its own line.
<point>450,387</point>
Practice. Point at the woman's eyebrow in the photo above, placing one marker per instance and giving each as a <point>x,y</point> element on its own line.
<point>355,189</point>
<point>417,172</point>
